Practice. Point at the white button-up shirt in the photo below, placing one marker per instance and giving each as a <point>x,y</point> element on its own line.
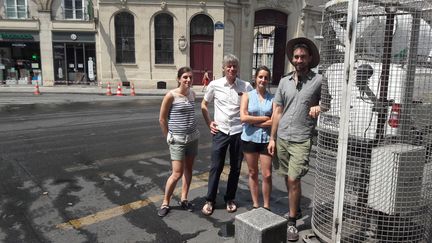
<point>227,100</point>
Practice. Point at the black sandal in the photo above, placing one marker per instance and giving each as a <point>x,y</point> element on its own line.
<point>253,208</point>
<point>164,210</point>
<point>186,205</point>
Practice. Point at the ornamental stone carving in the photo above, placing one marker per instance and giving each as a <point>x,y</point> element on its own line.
<point>43,5</point>
<point>163,5</point>
<point>246,13</point>
<point>123,3</point>
<point>278,3</point>
<point>302,21</point>
<point>246,9</point>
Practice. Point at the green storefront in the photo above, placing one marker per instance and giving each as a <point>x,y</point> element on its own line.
<point>19,57</point>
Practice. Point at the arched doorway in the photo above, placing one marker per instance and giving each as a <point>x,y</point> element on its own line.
<point>201,47</point>
<point>270,30</point>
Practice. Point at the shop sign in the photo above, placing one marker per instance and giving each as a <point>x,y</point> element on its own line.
<point>15,36</point>
<point>73,37</point>
<point>19,44</point>
<point>90,69</point>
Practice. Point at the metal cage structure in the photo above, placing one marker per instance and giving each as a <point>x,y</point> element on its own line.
<point>374,161</point>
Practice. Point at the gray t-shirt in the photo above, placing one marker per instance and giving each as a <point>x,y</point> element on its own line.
<point>295,124</point>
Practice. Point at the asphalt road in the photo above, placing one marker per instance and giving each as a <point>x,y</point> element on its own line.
<point>95,172</point>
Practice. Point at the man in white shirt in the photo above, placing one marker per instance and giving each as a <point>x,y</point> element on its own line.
<point>226,129</point>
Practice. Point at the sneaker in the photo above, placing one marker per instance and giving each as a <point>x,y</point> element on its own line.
<point>186,205</point>
<point>292,233</point>
<point>164,210</point>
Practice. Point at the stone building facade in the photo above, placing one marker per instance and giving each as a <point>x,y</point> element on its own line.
<point>60,42</point>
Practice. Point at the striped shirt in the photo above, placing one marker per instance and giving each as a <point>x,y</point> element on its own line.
<point>181,116</point>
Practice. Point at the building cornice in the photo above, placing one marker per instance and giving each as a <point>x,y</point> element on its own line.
<point>164,4</point>
<point>67,25</point>
<point>20,24</point>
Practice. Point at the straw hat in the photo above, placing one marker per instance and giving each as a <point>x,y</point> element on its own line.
<point>313,50</point>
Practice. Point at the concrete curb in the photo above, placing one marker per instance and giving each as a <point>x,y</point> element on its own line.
<point>86,89</point>
<point>71,105</point>
<point>77,101</point>
<point>21,97</point>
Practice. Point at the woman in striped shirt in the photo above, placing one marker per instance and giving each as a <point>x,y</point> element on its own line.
<point>178,124</point>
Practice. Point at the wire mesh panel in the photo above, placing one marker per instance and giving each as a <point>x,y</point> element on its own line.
<point>384,58</point>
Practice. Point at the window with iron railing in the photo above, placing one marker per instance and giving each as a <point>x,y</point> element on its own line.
<point>74,9</point>
<point>269,62</point>
<point>270,44</point>
<point>16,9</point>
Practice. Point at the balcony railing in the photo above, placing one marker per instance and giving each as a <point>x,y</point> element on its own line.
<point>76,14</point>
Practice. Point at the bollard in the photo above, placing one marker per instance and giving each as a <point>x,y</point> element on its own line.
<point>261,226</point>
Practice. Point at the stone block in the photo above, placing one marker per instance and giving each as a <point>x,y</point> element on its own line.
<point>260,226</point>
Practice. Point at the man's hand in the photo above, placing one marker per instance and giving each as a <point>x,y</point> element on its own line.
<point>271,147</point>
<point>213,128</point>
<point>314,111</point>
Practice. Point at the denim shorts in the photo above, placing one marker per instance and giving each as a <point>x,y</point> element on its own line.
<point>181,146</point>
<point>293,158</point>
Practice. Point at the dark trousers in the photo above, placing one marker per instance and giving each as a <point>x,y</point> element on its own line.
<point>221,143</point>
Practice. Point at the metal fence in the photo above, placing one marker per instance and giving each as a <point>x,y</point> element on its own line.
<point>374,173</point>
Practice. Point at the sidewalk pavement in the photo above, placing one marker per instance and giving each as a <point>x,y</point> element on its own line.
<point>18,96</point>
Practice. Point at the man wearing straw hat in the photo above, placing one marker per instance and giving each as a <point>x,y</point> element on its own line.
<point>297,101</point>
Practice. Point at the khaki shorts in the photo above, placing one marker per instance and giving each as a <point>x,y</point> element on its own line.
<point>182,146</point>
<point>293,158</point>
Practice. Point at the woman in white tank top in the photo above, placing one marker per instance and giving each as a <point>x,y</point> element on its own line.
<point>178,124</point>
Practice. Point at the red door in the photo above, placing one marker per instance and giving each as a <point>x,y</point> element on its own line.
<point>201,49</point>
<point>201,53</point>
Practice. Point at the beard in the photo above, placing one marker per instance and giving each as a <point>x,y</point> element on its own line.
<point>301,68</point>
